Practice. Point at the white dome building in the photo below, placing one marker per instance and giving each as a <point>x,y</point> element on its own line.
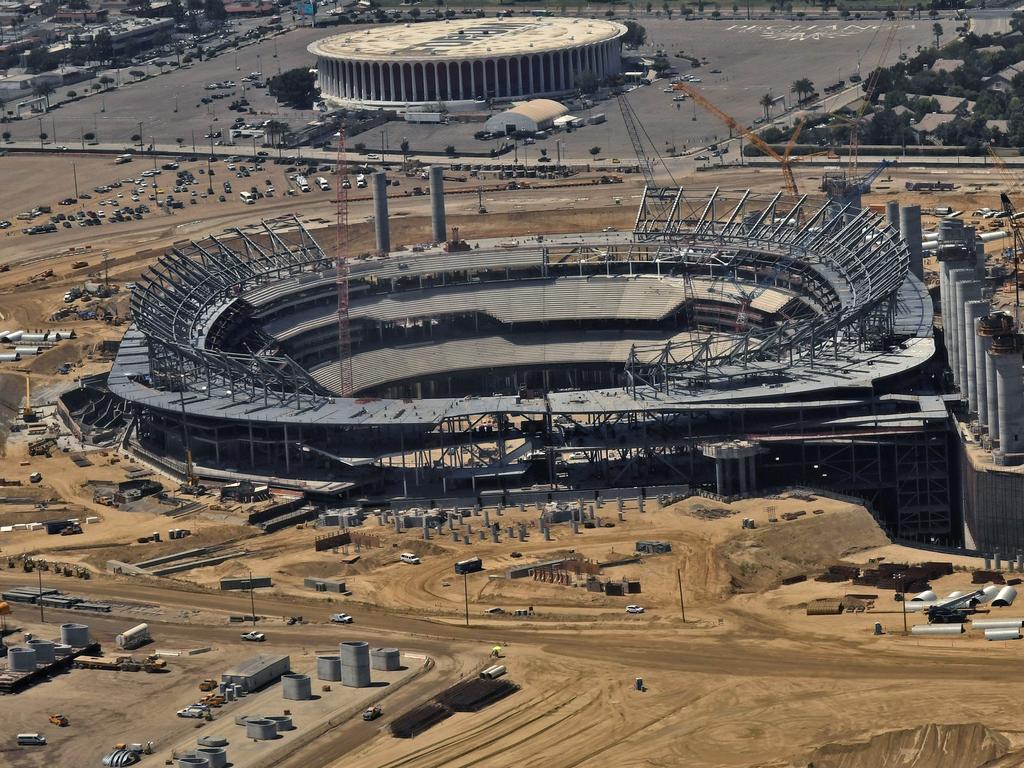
<point>465,60</point>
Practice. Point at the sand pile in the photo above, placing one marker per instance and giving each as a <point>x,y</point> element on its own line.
<point>965,745</point>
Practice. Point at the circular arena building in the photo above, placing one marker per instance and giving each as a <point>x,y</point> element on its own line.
<point>465,60</point>
<point>731,341</point>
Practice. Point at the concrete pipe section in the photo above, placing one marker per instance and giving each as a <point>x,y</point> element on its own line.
<point>937,629</point>
<point>997,623</point>
<point>193,762</point>
<point>21,660</point>
<point>260,729</point>
<point>75,635</point>
<point>282,722</point>
<point>44,651</point>
<point>355,663</point>
<point>1002,634</point>
<point>217,757</point>
<point>328,668</point>
<point>385,659</point>
<point>297,687</point>
<point>60,650</point>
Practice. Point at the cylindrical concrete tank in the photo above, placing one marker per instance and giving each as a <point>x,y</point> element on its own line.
<point>437,219</point>
<point>193,762</point>
<point>21,660</point>
<point>385,659</point>
<point>296,687</point>
<point>328,668</point>
<point>217,757</point>
<point>973,310</point>
<point>75,635</point>
<point>44,651</point>
<point>926,595</point>
<point>355,663</point>
<point>892,214</point>
<point>282,722</point>
<point>937,629</point>
<point>60,650</point>
<point>1002,634</point>
<point>1005,352</point>
<point>260,728</point>
<point>1005,597</point>
<point>381,226</point>
<point>212,741</point>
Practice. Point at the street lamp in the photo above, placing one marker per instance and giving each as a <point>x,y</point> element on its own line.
<point>901,578</point>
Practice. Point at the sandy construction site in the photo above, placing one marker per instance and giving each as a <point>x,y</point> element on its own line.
<point>747,679</point>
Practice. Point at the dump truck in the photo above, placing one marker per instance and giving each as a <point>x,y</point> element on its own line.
<point>59,720</point>
<point>208,685</point>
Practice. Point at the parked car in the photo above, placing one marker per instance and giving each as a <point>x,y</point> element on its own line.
<point>341,618</point>
<point>372,713</point>
<point>634,609</point>
<point>254,637</point>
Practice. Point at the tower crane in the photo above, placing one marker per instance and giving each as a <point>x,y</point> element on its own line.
<point>786,159</point>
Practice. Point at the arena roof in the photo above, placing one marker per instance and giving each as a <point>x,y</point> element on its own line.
<point>466,38</point>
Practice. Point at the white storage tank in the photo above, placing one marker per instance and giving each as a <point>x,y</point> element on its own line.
<point>21,660</point>
<point>328,668</point>
<point>260,728</point>
<point>44,649</point>
<point>297,687</point>
<point>385,659</point>
<point>75,635</point>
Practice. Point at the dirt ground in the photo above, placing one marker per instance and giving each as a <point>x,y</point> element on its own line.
<point>748,679</point>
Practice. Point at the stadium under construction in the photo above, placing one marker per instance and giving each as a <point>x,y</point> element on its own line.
<point>733,342</point>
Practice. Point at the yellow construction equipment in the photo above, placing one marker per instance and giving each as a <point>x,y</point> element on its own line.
<point>27,414</point>
<point>59,720</point>
<point>786,160</point>
<point>207,685</point>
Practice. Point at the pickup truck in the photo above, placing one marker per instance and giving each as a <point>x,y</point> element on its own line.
<point>254,637</point>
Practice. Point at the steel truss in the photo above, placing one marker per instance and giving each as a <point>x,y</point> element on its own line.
<point>181,291</point>
<point>853,264</point>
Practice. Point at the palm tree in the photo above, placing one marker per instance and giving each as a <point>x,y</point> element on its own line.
<point>44,90</point>
<point>766,104</point>
<point>802,88</point>
<point>937,32</point>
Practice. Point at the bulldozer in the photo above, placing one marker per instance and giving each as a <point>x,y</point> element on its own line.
<point>59,720</point>
<point>153,663</point>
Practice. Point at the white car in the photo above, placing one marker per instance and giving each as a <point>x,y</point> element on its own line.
<point>190,712</point>
<point>341,618</point>
<point>372,156</point>
<point>254,637</point>
<point>634,609</point>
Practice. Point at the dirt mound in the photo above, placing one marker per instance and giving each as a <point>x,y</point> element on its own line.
<point>964,745</point>
<point>762,557</point>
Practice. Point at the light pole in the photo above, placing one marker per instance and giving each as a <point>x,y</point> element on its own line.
<point>140,138</point>
<point>40,133</point>
<point>903,593</point>
<point>465,585</point>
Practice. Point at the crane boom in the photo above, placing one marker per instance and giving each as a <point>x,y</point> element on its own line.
<point>629,118</point>
<point>750,135</point>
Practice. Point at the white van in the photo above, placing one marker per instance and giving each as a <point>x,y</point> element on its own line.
<point>410,558</point>
<point>322,183</point>
<point>121,159</point>
<point>31,739</point>
<point>247,198</point>
<point>361,181</point>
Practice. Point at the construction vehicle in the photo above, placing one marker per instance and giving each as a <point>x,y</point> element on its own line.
<point>208,685</point>
<point>956,610</point>
<point>71,530</point>
<point>42,447</point>
<point>60,721</point>
<point>154,664</point>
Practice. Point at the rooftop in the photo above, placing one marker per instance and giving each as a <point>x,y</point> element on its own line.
<point>466,38</point>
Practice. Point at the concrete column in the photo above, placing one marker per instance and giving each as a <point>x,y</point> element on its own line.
<point>437,214</point>
<point>719,477</point>
<point>910,229</point>
<point>401,81</point>
<point>1011,395</point>
<point>967,290</point>
<point>973,310</point>
<point>981,345</point>
<point>992,393</point>
<point>472,80</point>
<point>752,469</point>
<point>741,469</point>
<point>892,214</point>
<point>381,225</point>
<point>425,91</point>
<point>954,277</point>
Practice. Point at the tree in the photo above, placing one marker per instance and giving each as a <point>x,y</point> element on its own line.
<point>802,88</point>
<point>595,151</point>
<point>214,10</point>
<point>180,142</point>
<point>135,138</point>
<point>72,94</point>
<point>937,33</point>
<point>40,59</point>
<point>450,149</point>
<point>404,146</point>
<point>766,104</point>
<point>414,13</point>
<point>44,90</point>
<point>89,136</point>
<point>103,46</point>
<point>106,81</point>
<point>295,87</point>
<point>587,82</point>
<point>635,35</point>
<point>7,135</point>
<point>275,129</point>
<point>1017,22</point>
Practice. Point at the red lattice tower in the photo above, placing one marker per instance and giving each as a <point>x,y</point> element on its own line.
<point>341,266</point>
